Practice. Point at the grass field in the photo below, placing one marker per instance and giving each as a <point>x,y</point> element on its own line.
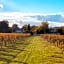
<point>32,50</point>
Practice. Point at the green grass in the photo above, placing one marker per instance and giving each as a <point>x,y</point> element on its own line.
<point>32,50</point>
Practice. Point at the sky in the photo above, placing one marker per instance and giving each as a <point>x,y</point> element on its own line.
<point>30,11</point>
<point>32,6</point>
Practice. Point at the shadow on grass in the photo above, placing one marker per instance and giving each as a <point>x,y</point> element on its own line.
<point>9,61</point>
<point>6,56</point>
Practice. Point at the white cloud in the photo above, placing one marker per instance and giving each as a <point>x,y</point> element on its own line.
<point>55,24</point>
<point>1,6</point>
<point>24,18</point>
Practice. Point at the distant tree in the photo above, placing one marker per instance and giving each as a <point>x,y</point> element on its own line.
<point>4,26</point>
<point>10,30</point>
<point>61,30</point>
<point>14,27</point>
<point>43,28</point>
<point>34,28</point>
<point>26,27</point>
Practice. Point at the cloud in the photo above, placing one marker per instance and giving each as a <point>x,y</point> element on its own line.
<point>1,6</point>
<point>32,18</point>
<point>55,24</point>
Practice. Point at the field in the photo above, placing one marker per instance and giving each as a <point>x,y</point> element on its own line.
<point>56,39</point>
<point>29,50</point>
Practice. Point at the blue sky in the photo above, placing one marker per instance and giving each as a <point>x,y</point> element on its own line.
<point>33,6</point>
<point>21,11</point>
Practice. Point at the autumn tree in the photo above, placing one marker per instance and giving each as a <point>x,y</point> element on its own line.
<point>43,28</point>
<point>34,28</point>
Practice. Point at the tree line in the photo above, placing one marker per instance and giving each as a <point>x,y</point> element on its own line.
<point>41,29</point>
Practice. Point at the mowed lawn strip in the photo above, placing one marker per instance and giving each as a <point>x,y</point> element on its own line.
<point>39,52</point>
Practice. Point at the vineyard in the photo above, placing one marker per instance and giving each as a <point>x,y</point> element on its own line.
<point>16,48</point>
<point>6,38</point>
<point>58,40</point>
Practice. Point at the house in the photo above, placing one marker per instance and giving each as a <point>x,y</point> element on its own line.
<point>18,30</point>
